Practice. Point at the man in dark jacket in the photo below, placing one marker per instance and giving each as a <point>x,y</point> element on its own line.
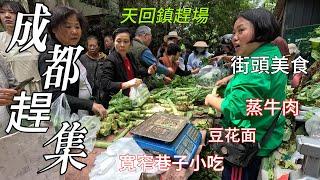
<point>108,44</point>
<point>144,56</point>
<point>142,53</point>
<point>121,70</point>
<point>92,60</point>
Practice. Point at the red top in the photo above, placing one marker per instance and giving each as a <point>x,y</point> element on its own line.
<point>128,68</point>
<point>168,63</point>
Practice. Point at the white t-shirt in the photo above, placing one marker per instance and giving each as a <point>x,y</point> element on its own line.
<point>24,64</point>
<point>85,90</point>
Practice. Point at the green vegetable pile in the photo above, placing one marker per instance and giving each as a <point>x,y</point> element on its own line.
<point>205,173</point>
<point>310,95</point>
<point>309,100</point>
<point>181,97</point>
<point>315,45</point>
<point>281,158</point>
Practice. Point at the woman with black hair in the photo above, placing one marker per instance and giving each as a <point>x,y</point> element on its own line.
<point>65,28</point>
<point>9,11</point>
<point>253,31</point>
<point>171,60</point>
<point>120,70</point>
<point>24,64</point>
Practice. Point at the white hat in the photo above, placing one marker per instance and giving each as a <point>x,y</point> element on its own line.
<point>202,44</point>
<point>170,35</point>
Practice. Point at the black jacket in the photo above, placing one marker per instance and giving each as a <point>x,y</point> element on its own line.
<point>113,73</point>
<point>94,72</point>
<point>72,91</point>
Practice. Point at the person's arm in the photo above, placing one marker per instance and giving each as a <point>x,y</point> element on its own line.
<point>214,101</point>
<point>74,102</point>
<point>224,81</point>
<point>107,79</point>
<point>77,103</point>
<point>8,72</point>
<point>149,59</point>
<point>190,59</point>
<point>159,52</point>
<point>6,96</point>
<point>234,106</point>
<point>223,57</point>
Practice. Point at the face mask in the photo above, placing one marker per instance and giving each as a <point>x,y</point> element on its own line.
<point>200,50</point>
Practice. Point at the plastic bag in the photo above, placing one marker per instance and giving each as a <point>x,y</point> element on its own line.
<point>139,95</point>
<point>154,81</point>
<point>307,113</point>
<point>92,124</point>
<point>108,164</point>
<point>60,111</point>
<point>311,115</point>
<point>208,75</point>
<point>313,126</point>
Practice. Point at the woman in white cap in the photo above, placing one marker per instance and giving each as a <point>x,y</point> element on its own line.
<point>194,60</point>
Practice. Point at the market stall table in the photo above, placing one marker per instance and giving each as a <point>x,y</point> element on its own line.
<point>74,174</point>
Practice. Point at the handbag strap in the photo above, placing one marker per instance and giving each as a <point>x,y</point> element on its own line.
<point>271,128</point>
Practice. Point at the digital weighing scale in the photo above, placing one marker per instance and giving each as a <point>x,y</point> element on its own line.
<point>168,134</point>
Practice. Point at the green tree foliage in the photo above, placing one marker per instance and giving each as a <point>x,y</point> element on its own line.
<point>270,4</point>
<point>222,14</point>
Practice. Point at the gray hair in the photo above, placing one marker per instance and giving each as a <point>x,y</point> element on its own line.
<point>141,30</point>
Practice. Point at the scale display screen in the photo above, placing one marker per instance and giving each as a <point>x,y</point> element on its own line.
<point>185,144</point>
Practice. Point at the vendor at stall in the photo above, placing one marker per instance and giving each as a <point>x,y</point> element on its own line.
<point>253,31</point>
<point>121,71</point>
<point>65,28</point>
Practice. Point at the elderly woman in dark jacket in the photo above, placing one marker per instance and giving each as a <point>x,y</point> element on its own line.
<point>121,71</point>
<point>65,29</point>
